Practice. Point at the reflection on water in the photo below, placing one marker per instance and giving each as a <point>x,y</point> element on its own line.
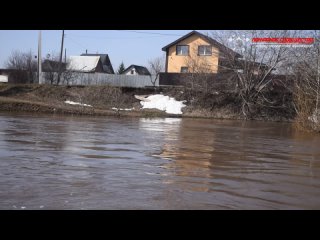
<point>64,162</point>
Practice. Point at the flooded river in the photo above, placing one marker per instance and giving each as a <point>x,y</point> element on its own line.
<point>66,162</point>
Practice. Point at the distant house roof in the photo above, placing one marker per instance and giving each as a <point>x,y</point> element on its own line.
<point>83,63</point>
<point>52,66</point>
<point>105,60</point>
<point>139,69</point>
<point>7,71</point>
<point>215,43</point>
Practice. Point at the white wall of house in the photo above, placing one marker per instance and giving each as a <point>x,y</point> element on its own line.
<point>3,78</point>
<point>131,71</point>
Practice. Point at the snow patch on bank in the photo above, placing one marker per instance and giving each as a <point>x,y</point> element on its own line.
<point>77,103</point>
<point>315,117</point>
<point>163,103</point>
<point>122,109</point>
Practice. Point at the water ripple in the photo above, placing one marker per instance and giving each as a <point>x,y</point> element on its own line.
<point>65,162</point>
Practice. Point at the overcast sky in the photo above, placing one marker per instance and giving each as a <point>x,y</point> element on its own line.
<point>129,46</point>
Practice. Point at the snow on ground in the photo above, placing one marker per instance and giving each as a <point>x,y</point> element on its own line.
<point>76,103</point>
<point>314,118</point>
<point>163,103</point>
<point>122,109</point>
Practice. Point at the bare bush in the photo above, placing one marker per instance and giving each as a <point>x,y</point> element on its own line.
<point>198,77</point>
<point>101,96</point>
<point>51,68</point>
<point>25,63</point>
<point>306,68</point>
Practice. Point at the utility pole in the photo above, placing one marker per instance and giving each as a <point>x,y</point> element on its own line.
<point>60,62</point>
<point>318,81</point>
<point>65,55</point>
<point>39,59</point>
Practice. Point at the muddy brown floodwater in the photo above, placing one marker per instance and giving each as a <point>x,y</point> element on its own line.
<point>66,162</point>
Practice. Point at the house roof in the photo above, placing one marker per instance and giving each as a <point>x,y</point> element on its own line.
<point>215,43</point>
<point>52,66</point>
<point>139,69</point>
<point>241,63</point>
<point>106,63</point>
<point>83,63</point>
<point>7,71</point>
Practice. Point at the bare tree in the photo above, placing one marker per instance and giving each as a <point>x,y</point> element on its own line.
<point>156,66</point>
<point>51,67</point>
<point>25,63</point>
<point>306,67</point>
<point>199,72</point>
<point>69,77</point>
<point>254,69</point>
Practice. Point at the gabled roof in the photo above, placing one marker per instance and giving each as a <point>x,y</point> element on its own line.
<point>213,42</point>
<point>139,69</point>
<point>106,63</point>
<point>83,63</point>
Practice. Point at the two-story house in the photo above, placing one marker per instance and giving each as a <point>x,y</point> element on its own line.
<point>196,52</point>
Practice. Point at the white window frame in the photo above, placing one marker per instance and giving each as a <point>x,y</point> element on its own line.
<point>180,53</point>
<point>205,50</point>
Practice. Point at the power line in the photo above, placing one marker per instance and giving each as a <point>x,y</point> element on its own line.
<point>112,38</point>
<point>81,45</point>
<point>154,33</point>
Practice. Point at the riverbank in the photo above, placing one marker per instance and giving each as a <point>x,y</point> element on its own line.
<point>52,99</point>
<point>114,101</point>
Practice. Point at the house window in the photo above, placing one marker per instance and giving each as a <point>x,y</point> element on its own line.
<point>205,50</point>
<point>184,69</point>
<point>132,71</point>
<point>182,50</point>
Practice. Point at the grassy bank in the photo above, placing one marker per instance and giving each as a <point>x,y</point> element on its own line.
<point>227,105</point>
<point>51,99</point>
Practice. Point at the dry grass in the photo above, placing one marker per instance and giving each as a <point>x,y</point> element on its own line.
<point>305,104</point>
<point>50,98</point>
<point>97,96</point>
